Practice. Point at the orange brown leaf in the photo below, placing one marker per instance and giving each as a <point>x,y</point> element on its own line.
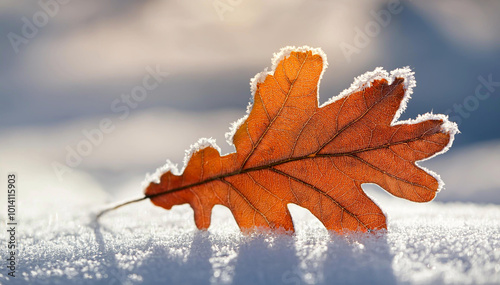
<point>290,150</point>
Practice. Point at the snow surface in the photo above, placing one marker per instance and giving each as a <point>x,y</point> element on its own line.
<point>454,243</point>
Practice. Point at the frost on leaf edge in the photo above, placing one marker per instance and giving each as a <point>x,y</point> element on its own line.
<point>365,80</point>
<point>261,77</point>
<point>170,166</point>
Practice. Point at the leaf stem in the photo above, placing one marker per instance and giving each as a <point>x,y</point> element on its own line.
<point>120,205</point>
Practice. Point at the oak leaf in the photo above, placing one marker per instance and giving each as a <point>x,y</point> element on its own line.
<point>290,150</point>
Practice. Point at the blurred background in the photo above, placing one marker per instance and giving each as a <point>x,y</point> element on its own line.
<point>94,94</point>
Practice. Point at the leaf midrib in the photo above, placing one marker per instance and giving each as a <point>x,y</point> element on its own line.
<point>276,163</point>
